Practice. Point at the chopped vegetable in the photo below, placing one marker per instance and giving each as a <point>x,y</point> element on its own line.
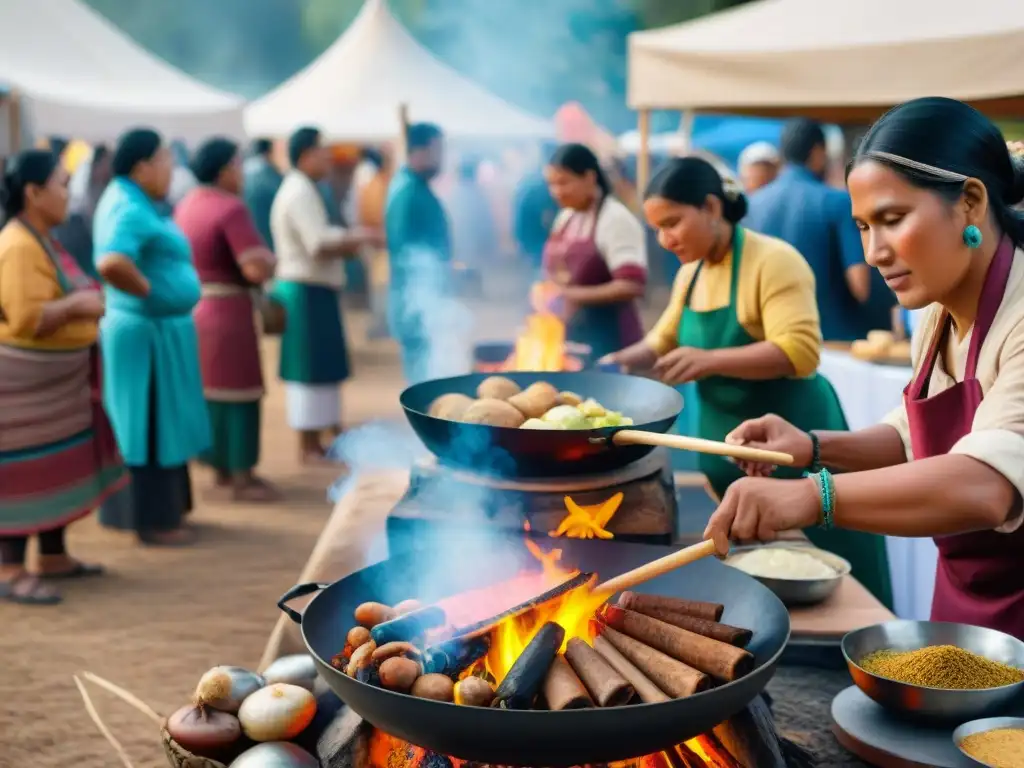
<point>587,415</point>
<point>566,417</point>
<point>539,424</point>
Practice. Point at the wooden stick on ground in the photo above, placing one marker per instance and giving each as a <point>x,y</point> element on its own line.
<point>126,697</point>
<point>91,709</point>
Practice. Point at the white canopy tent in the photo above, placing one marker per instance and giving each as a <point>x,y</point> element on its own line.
<point>76,75</point>
<point>839,60</point>
<point>353,92</point>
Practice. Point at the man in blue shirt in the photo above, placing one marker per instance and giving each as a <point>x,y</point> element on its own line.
<point>420,302</point>
<point>262,180</point>
<point>814,218</point>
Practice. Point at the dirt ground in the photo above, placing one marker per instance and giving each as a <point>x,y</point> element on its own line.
<point>160,618</point>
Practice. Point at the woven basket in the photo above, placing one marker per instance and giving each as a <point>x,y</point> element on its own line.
<point>177,756</point>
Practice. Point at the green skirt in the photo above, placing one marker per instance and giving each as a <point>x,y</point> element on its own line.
<point>313,349</point>
<point>236,436</point>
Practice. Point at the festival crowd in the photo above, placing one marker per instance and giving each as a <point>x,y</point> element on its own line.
<point>133,296</point>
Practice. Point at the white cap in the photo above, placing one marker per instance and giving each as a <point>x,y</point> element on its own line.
<point>758,152</point>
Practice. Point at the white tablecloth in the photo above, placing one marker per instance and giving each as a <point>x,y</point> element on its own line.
<point>868,392</point>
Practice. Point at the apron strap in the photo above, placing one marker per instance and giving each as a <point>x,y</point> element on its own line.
<point>66,285</point>
<point>738,238</point>
<point>992,293</point>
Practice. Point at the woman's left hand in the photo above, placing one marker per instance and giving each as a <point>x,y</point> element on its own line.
<point>758,508</point>
<point>684,364</point>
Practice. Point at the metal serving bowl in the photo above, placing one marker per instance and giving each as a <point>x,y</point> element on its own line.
<point>983,726</point>
<point>937,705</point>
<point>800,591</point>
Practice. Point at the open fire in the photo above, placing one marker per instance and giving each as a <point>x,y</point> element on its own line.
<point>542,345</point>
<point>707,751</point>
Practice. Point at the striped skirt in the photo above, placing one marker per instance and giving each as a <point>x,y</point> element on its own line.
<point>58,455</point>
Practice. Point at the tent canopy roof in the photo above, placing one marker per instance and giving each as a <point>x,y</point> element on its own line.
<point>353,91</point>
<point>837,59</point>
<point>85,78</point>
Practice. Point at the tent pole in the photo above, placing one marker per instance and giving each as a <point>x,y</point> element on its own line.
<point>686,120</point>
<point>14,117</point>
<point>401,146</point>
<point>643,157</point>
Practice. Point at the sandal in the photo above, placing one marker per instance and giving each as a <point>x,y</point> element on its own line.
<point>78,570</point>
<point>27,589</point>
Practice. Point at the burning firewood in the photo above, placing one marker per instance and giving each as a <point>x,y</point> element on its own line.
<point>524,680</point>
<point>454,656</point>
<point>715,658</point>
<point>636,601</point>
<point>606,686</point>
<point>670,675</point>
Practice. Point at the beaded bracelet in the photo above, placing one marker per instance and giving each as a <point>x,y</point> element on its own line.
<point>827,491</point>
<point>815,465</point>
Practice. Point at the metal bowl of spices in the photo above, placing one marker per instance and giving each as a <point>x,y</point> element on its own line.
<point>781,568</point>
<point>994,741</point>
<point>934,671</point>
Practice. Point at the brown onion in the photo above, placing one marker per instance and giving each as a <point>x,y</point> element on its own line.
<point>204,732</point>
<point>225,688</point>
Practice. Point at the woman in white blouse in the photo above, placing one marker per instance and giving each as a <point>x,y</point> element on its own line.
<point>595,253</point>
<point>933,187</point>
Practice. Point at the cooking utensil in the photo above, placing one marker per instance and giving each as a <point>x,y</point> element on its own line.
<point>540,737</point>
<point>801,591</point>
<point>653,406</point>
<point>937,705</point>
<point>656,568</point>
<point>983,726</point>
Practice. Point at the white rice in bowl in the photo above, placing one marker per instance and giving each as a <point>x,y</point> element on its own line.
<point>782,563</point>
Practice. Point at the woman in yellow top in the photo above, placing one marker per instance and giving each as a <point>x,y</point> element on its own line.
<point>743,324</point>
<point>58,457</point>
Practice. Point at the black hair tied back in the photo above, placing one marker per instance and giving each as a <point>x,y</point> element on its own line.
<point>578,160</point>
<point>32,166</point>
<point>690,180</point>
<point>948,135</point>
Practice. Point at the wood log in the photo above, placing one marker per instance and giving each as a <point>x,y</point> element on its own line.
<point>523,682</point>
<point>607,687</point>
<point>715,630</point>
<point>648,692</point>
<point>720,660</point>
<point>563,689</point>
<point>636,601</point>
<point>674,677</point>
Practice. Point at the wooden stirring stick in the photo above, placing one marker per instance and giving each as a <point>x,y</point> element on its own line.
<point>700,445</point>
<point>656,568</point>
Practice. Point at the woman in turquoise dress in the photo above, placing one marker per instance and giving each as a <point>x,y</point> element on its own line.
<point>153,388</point>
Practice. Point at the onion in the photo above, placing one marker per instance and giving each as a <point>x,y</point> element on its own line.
<point>297,669</point>
<point>278,712</point>
<point>275,754</point>
<point>225,688</point>
<point>204,732</point>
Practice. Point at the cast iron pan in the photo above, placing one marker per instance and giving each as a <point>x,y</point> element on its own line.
<point>653,406</point>
<point>509,737</point>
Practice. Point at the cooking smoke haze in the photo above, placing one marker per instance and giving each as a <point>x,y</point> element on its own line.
<point>427,304</point>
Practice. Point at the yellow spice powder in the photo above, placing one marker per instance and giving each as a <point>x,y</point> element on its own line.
<point>941,666</point>
<point>1000,748</point>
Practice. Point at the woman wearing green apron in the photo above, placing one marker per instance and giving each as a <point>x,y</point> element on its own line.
<point>743,324</point>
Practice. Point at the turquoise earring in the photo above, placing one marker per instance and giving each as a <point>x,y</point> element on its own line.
<point>972,236</point>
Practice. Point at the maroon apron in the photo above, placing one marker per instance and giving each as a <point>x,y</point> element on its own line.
<point>573,257</point>
<point>979,579</point>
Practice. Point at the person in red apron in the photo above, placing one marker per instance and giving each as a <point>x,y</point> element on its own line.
<point>934,189</point>
<point>595,254</point>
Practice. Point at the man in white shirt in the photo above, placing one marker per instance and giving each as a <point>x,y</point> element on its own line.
<point>309,278</point>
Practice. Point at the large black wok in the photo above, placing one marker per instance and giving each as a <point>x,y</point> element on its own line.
<point>507,737</point>
<point>653,406</point>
